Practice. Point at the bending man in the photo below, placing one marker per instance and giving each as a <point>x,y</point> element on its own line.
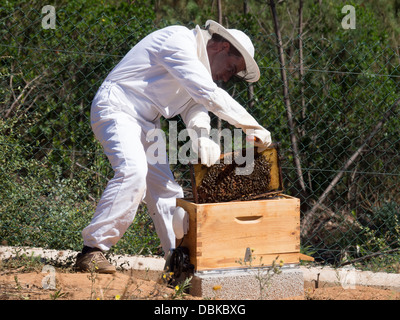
<point>171,71</point>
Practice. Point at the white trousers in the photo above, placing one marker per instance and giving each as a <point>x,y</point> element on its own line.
<point>123,136</point>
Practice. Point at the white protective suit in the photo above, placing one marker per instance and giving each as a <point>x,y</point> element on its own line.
<point>165,74</point>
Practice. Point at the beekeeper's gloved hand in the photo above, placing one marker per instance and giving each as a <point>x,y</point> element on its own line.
<point>261,138</point>
<point>208,151</point>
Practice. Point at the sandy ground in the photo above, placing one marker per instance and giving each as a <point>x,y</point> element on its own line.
<point>15,285</point>
<point>142,280</point>
<point>18,285</point>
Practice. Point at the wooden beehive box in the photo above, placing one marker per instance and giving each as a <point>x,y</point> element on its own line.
<point>220,233</point>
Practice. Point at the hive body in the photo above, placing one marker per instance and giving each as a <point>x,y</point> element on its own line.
<point>220,234</point>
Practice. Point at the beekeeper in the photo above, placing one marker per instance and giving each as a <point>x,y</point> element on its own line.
<point>170,72</point>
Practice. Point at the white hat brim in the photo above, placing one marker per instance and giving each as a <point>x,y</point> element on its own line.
<point>252,72</point>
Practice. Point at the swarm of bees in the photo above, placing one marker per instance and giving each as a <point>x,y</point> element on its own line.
<point>222,182</point>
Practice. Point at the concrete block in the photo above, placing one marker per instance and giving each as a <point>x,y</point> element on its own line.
<point>252,284</point>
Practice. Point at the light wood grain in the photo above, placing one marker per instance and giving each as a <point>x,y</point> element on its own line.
<point>220,233</point>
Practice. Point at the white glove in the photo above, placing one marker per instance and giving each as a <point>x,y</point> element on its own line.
<point>261,138</point>
<point>208,151</point>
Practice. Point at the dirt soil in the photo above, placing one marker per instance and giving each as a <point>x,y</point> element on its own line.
<point>84,286</point>
<point>358,293</point>
<point>17,285</point>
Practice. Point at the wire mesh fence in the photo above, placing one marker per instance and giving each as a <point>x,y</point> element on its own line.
<point>340,149</point>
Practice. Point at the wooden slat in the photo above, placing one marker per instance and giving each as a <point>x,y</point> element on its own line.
<point>258,261</point>
<point>304,257</point>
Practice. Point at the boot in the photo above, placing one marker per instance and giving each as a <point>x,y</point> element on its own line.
<point>93,259</point>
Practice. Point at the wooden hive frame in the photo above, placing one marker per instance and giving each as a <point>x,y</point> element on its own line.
<point>271,154</point>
